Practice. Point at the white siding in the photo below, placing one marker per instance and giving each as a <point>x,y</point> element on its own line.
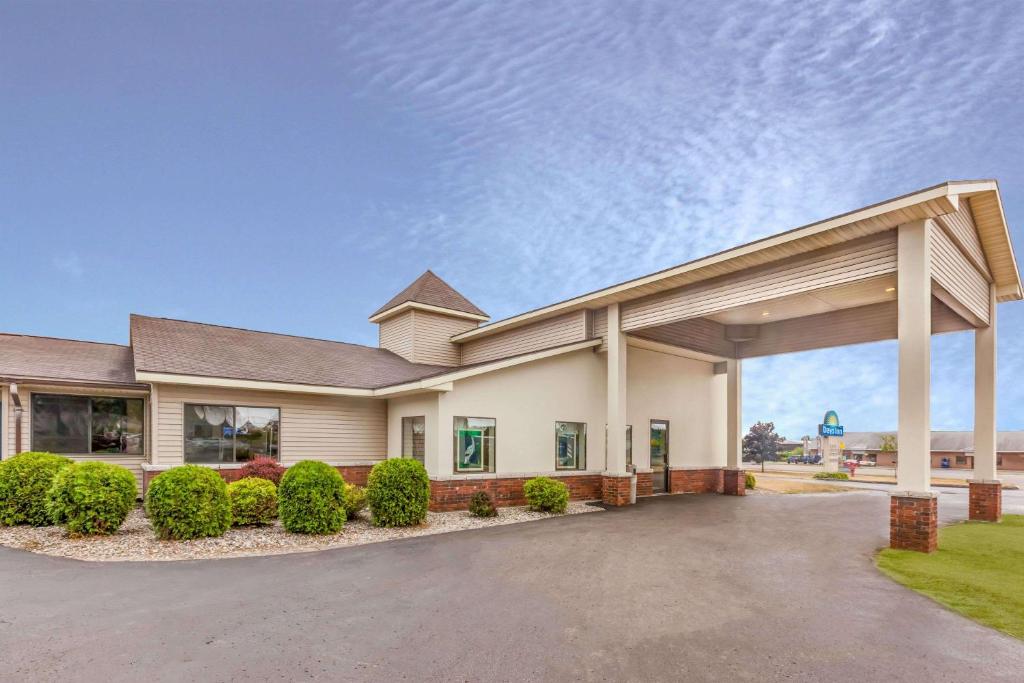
<point>432,333</point>
<point>955,273</point>
<point>600,325</point>
<point>336,429</point>
<point>564,329</point>
<point>824,268</point>
<point>395,334</point>
<point>960,226</point>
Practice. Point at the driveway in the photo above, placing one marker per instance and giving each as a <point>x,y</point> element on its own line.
<point>682,587</point>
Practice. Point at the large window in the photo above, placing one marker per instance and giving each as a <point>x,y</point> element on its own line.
<point>80,425</point>
<point>474,444</point>
<point>414,432</point>
<point>570,446</point>
<point>215,434</point>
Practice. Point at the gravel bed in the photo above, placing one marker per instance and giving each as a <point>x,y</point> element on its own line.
<point>135,541</point>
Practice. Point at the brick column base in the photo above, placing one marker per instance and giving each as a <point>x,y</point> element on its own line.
<point>986,501</point>
<point>913,522</point>
<point>615,490</point>
<point>734,482</point>
<point>644,484</point>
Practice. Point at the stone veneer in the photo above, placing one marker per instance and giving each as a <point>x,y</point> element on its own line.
<point>913,521</point>
<point>986,501</point>
<point>454,494</point>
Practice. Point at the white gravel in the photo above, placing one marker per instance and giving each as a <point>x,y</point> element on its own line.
<point>135,540</point>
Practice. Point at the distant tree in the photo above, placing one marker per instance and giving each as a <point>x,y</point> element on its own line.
<point>888,444</point>
<point>761,443</point>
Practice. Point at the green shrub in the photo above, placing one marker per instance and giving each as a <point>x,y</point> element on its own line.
<point>398,491</point>
<point>481,505</point>
<point>751,481</point>
<point>253,501</point>
<point>91,497</point>
<point>831,475</point>
<point>355,500</point>
<point>186,502</point>
<point>311,498</point>
<point>546,494</point>
<point>25,481</point>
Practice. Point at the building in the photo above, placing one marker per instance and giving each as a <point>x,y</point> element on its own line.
<point>639,382</point>
<point>954,450</point>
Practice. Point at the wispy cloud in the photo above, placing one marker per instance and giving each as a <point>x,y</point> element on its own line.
<point>69,264</point>
<point>590,142</point>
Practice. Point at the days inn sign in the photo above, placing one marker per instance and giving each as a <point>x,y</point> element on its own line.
<point>830,425</point>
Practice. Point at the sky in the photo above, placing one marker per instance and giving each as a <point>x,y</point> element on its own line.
<point>290,166</point>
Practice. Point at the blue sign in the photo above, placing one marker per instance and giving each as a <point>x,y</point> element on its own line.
<point>830,425</point>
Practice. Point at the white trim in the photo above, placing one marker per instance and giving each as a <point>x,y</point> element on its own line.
<point>195,380</point>
<point>659,347</point>
<point>945,193</point>
<point>5,423</point>
<point>406,305</point>
<point>163,467</point>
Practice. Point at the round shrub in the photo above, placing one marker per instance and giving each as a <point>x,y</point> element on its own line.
<point>398,491</point>
<point>355,500</point>
<point>264,468</point>
<point>751,481</point>
<point>253,501</point>
<point>481,505</point>
<point>311,498</point>
<point>546,494</point>
<point>91,497</point>
<point>25,480</point>
<point>186,502</point>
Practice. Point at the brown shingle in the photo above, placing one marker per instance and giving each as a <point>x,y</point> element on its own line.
<point>24,357</point>
<point>187,348</point>
<point>431,290</point>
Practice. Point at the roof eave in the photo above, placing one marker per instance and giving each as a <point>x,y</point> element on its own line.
<point>407,305</point>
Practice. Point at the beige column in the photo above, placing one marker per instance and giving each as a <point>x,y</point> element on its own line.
<point>913,470</point>
<point>733,413</point>
<point>985,396</point>
<point>615,462</point>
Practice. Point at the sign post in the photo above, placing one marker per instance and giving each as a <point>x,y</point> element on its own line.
<point>831,433</point>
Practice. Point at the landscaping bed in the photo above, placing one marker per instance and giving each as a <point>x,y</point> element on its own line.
<point>135,540</point>
<point>977,571</point>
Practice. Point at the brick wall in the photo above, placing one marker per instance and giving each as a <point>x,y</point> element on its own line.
<point>913,523</point>
<point>615,490</point>
<point>644,484</point>
<point>986,501</point>
<point>454,494</point>
<point>695,481</point>
<point>734,482</point>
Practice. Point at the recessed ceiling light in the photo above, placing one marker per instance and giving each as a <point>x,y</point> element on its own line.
<point>765,314</point>
<point>890,289</point>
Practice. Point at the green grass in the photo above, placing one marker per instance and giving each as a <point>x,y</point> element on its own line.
<point>977,571</point>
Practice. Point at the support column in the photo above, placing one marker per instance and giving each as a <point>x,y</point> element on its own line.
<point>986,494</point>
<point>733,478</point>
<point>913,513</point>
<point>616,480</point>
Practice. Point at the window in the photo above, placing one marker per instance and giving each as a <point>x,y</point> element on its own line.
<point>414,431</point>
<point>570,446</point>
<point>80,425</point>
<point>961,460</point>
<point>474,444</point>
<point>215,434</point>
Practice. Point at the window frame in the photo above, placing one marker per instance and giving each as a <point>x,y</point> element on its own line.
<point>486,467</point>
<point>410,420</point>
<point>581,454</point>
<point>234,438</point>
<point>89,398</point>
<point>668,431</point>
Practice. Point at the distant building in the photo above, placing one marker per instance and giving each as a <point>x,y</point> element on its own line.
<point>949,449</point>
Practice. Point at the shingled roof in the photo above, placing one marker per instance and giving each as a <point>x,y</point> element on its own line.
<point>24,358</point>
<point>178,347</point>
<point>431,290</point>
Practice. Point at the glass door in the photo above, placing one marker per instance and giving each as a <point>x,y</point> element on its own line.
<point>659,455</point>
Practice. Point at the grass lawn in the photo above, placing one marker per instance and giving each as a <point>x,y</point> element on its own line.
<point>977,571</point>
<point>782,486</point>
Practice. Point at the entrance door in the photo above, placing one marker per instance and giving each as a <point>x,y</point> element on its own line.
<point>659,455</point>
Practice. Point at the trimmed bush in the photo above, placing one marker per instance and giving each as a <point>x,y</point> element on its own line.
<point>831,475</point>
<point>253,501</point>
<point>186,502</point>
<point>546,494</point>
<point>264,468</point>
<point>311,498</point>
<point>481,505</point>
<point>355,500</point>
<point>25,481</point>
<point>398,491</point>
<point>751,481</point>
<point>91,497</point>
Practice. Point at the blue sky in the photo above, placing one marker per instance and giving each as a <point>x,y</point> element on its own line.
<point>290,166</point>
